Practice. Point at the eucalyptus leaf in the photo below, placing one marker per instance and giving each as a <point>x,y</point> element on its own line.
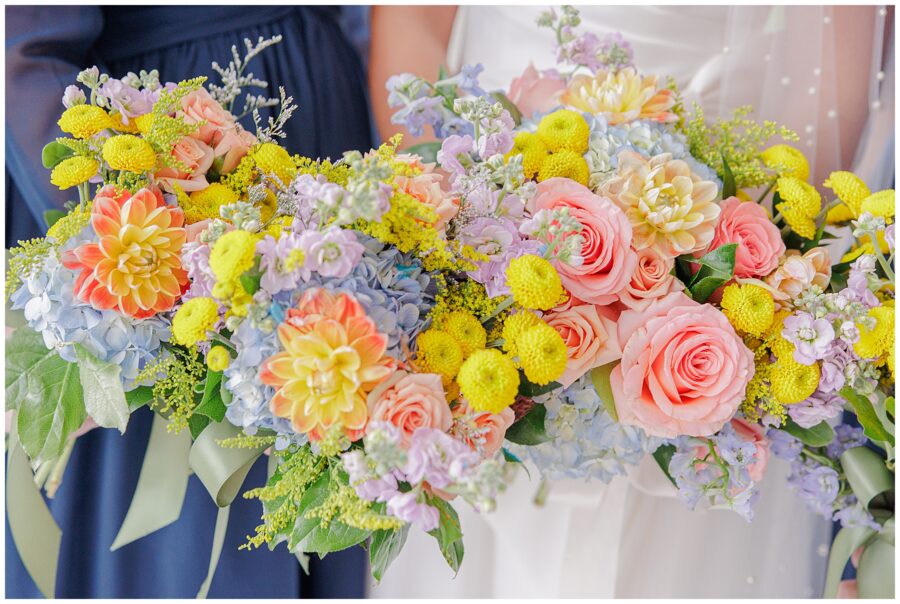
<point>819,435</point>
<point>529,430</point>
<point>600,379</point>
<point>53,153</point>
<point>427,151</point>
<point>384,549</point>
<point>25,348</point>
<point>104,397</point>
<point>867,416</point>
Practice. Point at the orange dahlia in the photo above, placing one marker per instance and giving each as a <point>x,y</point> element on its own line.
<point>135,266</point>
<point>333,357</point>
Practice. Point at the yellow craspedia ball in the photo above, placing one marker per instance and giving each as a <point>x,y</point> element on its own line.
<point>218,359</point>
<point>533,151</point>
<point>193,319</point>
<point>515,325</point>
<point>792,382</point>
<point>839,213</point>
<point>534,282</point>
<point>542,353</point>
<point>877,341</point>
<point>749,308</point>
<point>84,121</point>
<point>489,380</point>
<point>881,204</point>
<point>73,171</point>
<point>849,188</point>
<point>205,203</point>
<point>438,352</point>
<point>565,164</point>
<point>232,255</point>
<point>564,130</point>
<point>466,329</point>
<point>800,196</point>
<point>787,161</point>
<point>128,152</point>
<point>273,159</point>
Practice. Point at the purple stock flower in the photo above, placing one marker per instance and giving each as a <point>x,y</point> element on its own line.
<point>332,253</point>
<point>436,457</point>
<point>811,337</point>
<point>425,111</point>
<point>819,407</point>
<point>500,241</point>
<point>73,96</point>
<point>833,367</point>
<point>406,507</point>
<point>452,147</point>
<point>889,237</point>
<point>615,52</point>
<point>275,253</point>
<point>195,259</point>
<point>125,99</point>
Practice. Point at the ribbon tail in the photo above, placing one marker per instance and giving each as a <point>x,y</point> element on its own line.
<point>221,470</point>
<point>845,543</point>
<point>218,542</point>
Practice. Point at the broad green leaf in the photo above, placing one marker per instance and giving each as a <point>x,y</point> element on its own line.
<point>720,259</point>
<point>729,188</point>
<point>250,281</point>
<point>717,268</point>
<point>705,287</point>
<point>448,533</point>
<point>889,405</point>
<point>211,405</point>
<point>51,216</point>
<point>25,348</point>
<point>509,106</point>
<point>663,457</point>
<point>384,548</point>
<point>104,397</point>
<point>308,534</point>
<point>867,417</point>
<point>530,429</point>
<point>531,390</point>
<point>818,436</point>
<point>600,379</point>
<point>197,424</point>
<point>53,153</point>
<point>137,398</point>
<point>427,151</point>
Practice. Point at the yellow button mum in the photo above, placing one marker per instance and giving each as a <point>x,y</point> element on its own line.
<point>565,164</point>
<point>849,188</point>
<point>787,161</point>
<point>875,342</point>
<point>218,359</point>
<point>750,308</point>
<point>73,171</point>
<point>275,160</point>
<point>129,153</point>
<point>438,352</point>
<point>564,130</point>
<point>489,380</point>
<point>232,255</point>
<point>792,382</point>
<point>206,203</point>
<point>879,204</point>
<point>799,196</point>
<point>193,320</point>
<point>839,213</point>
<point>799,222</point>
<point>534,282</point>
<point>533,152</point>
<point>84,121</point>
<point>466,330</point>
<point>542,353</point>
<point>515,325</point>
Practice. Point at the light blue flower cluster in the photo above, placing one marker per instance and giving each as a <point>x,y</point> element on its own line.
<point>586,442</point>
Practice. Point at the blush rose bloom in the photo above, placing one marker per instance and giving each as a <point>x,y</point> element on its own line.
<point>232,146</point>
<point>492,425</point>
<point>652,278</point>
<point>197,157</point>
<point>609,260</point>
<point>199,106</point>
<point>535,91</point>
<point>591,339</point>
<point>684,370</point>
<point>796,273</point>
<point>759,241</point>
<point>411,401</point>
<point>426,188</point>
<point>752,432</point>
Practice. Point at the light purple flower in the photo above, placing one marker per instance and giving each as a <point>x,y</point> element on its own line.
<point>498,137</point>
<point>468,79</point>
<point>431,455</point>
<point>195,259</point>
<point>819,407</point>
<point>615,52</point>
<point>845,437</point>
<point>834,366</point>
<point>332,253</point>
<point>274,254</point>
<point>452,147</point>
<point>783,445</point>
<point>378,489</point>
<point>73,96</point>
<point>406,507</point>
<point>889,237</point>
<point>817,486</point>
<point>125,99</point>
<point>425,111</point>
<point>811,337</point>
<point>500,240</point>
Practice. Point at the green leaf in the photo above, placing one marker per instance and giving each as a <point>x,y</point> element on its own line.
<point>717,268</point>
<point>531,390</point>
<point>867,416</point>
<point>663,456</point>
<point>197,424</point>
<point>211,405</point>
<point>427,151</point>
<point>818,436</point>
<point>308,534</point>
<point>720,259</point>
<point>529,430</point>
<point>53,153</point>
<point>51,216</point>
<point>443,74</point>
<point>384,548</point>
<point>104,397</point>
<point>729,188</point>
<point>889,405</point>
<point>250,281</point>
<point>24,349</point>
<point>509,106</point>
<point>137,398</point>
<point>448,533</point>
<point>600,379</point>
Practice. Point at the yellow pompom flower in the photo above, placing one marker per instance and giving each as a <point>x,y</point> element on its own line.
<point>799,222</point>
<point>839,213</point>
<point>799,196</point>
<point>268,206</point>
<point>218,359</point>
<point>279,227</point>
<point>205,203</point>
<point>275,160</point>
<point>787,161</point>
<point>193,320</point>
<point>515,325</point>
<point>533,152</point>
<point>144,123</point>
<point>489,380</point>
<point>466,330</point>
<point>117,123</point>
<point>73,171</point>
<point>875,342</point>
<point>534,282</point>
<point>542,354</point>
<point>565,164</point>
<point>439,353</point>
<point>128,152</point>
<point>849,188</point>
<point>793,382</point>
<point>879,204</point>
<point>749,308</point>
<point>232,255</point>
<point>564,130</point>
<point>84,121</point>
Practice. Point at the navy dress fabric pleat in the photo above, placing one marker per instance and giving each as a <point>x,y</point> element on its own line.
<point>46,46</point>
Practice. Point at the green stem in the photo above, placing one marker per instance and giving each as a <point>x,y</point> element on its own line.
<point>881,259</point>
<point>500,308</point>
<point>59,467</point>
<point>540,498</point>
<point>766,192</point>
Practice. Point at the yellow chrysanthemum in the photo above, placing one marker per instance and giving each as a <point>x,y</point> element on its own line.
<point>193,320</point>
<point>564,130</point>
<point>73,171</point>
<point>566,164</point>
<point>279,227</point>
<point>268,206</point>
<point>534,282</point>
<point>787,161</point>
<point>117,123</point>
<point>793,382</point>
<point>218,359</point>
<point>274,159</point>
<point>515,325</point>
<point>799,222</point>
<point>466,330</point>
<point>205,203</point>
<point>144,123</point>
<point>875,342</point>
<point>879,204</point>
<point>128,152</point>
<point>750,308</point>
<point>439,353</point>
<point>839,213</point>
<point>84,121</point>
<point>866,242</point>
<point>489,380</point>
<point>533,151</point>
<point>799,196</point>
<point>849,188</point>
<point>71,224</point>
<point>542,353</point>
<point>232,255</point>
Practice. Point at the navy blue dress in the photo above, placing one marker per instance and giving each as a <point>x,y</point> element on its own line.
<point>45,48</point>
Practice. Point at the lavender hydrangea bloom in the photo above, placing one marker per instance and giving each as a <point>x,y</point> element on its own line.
<point>821,406</point>
<point>811,337</point>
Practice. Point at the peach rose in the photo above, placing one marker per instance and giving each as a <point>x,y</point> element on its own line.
<point>234,144</point>
<point>759,240</point>
<point>535,91</point>
<point>197,157</point>
<point>491,427</point>
<point>752,432</point>
<point>684,370</point>
<point>609,260</point>
<point>796,273</point>
<point>590,338</point>
<point>199,106</point>
<point>411,401</point>
<point>652,278</point>
<point>426,187</point>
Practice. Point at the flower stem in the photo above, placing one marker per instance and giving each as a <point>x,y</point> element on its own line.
<point>881,259</point>
<point>59,467</point>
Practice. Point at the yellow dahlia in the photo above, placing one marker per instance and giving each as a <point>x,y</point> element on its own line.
<point>73,171</point>
<point>489,380</point>
<point>849,188</point>
<point>749,308</point>
<point>533,152</point>
<point>786,161</point>
<point>564,130</point>
<point>566,164</point>
<point>534,282</point>
<point>128,152</point>
<point>621,96</point>
<point>84,121</point>
<point>542,353</point>
<point>193,320</point>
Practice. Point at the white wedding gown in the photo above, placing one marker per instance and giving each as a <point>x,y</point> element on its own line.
<point>633,537</point>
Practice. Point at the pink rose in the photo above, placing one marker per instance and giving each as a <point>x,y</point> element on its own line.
<point>411,401</point>
<point>609,261</point>
<point>684,370</point>
<point>759,240</point>
<point>491,427</point>
<point>199,106</point>
<point>796,273</point>
<point>426,188</point>
<point>233,145</point>
<point>590,338</point>
<point>652,278</point>
<point>752,432</point>
<point>536,91</point>
<point>194,155</point>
